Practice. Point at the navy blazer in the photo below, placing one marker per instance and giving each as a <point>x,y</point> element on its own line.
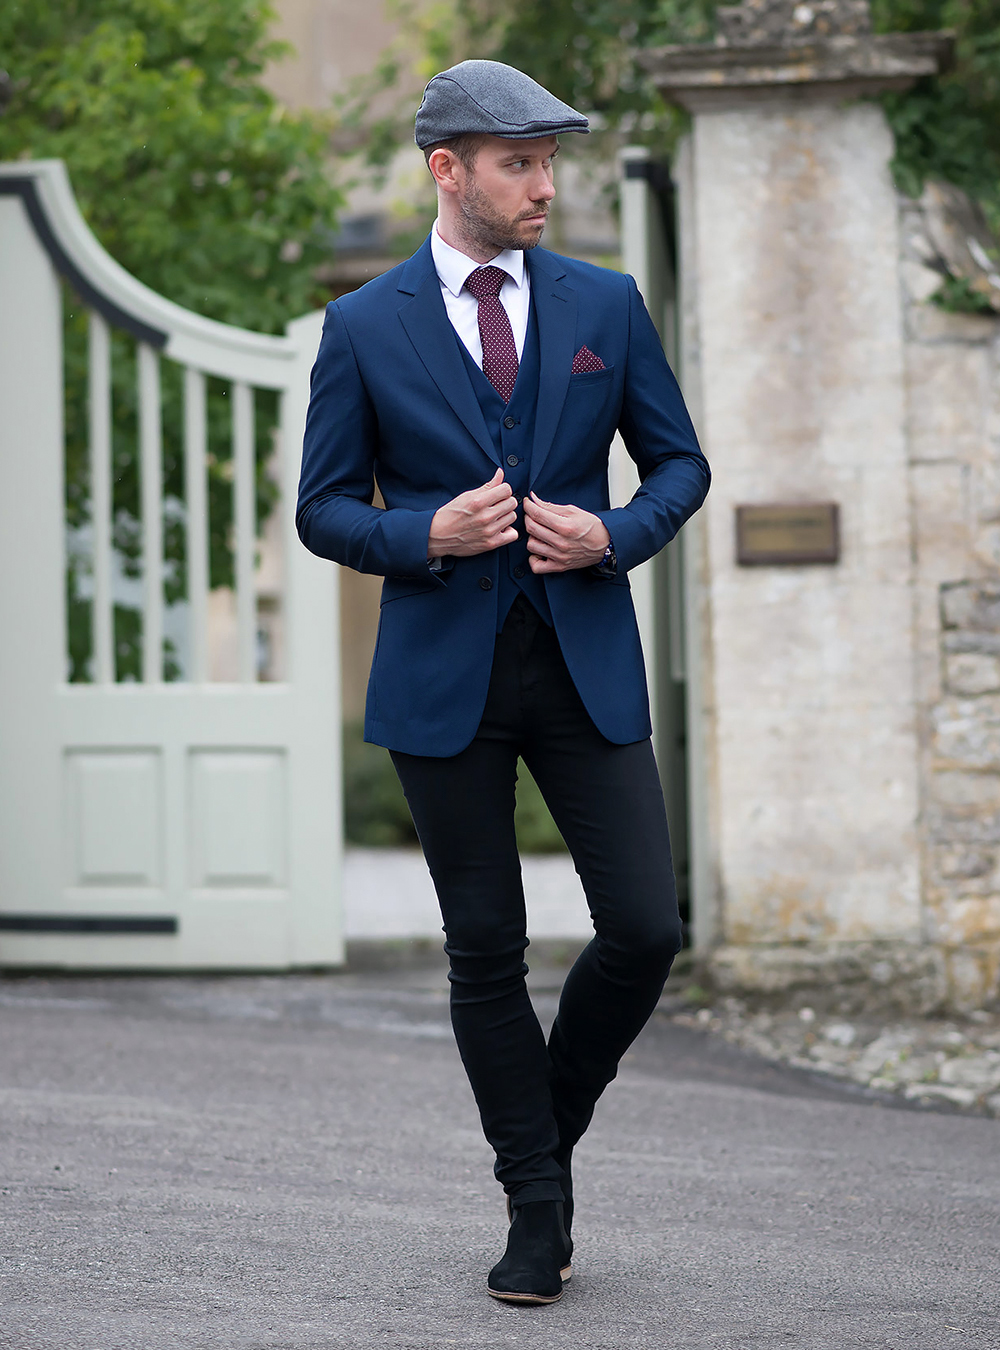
<point>392,401</point>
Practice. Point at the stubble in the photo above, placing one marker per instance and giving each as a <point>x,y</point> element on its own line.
<point>489,230</point>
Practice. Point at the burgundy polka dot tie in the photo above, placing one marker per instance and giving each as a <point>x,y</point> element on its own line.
<point>499,351</point>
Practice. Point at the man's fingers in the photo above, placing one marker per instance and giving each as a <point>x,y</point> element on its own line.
<point>491,494</point>
<point>540,565</point>
<point>493,491</point>
<point>535,500</point>
<point>556,517</point>
<point>543,535</point>
<point>558,527</point>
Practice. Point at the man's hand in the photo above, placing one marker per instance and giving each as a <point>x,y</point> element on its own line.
<point>562,538</point>
<point>477,521</point>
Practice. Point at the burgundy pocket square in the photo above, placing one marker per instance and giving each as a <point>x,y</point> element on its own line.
<point>586,360</point>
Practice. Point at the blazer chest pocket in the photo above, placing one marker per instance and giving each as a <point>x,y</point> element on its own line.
<point>590,379</point>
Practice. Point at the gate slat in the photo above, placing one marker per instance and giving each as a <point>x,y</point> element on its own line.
<point>99,412</point>
<point>243,465</point>
<point>151,450</point>
<point>195,493</point>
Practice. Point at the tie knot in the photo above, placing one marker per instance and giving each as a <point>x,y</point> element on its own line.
<point>485,283</point>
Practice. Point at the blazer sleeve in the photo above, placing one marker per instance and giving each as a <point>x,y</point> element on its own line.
<point>335,517</point>
<point>658,434</point>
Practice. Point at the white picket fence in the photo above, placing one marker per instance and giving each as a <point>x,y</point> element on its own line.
<point>145,824</point>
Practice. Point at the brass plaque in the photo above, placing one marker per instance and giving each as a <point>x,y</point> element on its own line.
<point>808,532</point>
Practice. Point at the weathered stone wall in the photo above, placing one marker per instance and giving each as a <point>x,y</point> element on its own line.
<point>951,425</point>
<point>794,334</point>
<point>845,719</point>
<point>953,437</point>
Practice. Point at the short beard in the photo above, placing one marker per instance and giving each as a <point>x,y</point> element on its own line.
<point>486,229</point>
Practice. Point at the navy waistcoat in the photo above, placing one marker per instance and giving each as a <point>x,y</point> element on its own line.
<point>512,426</point>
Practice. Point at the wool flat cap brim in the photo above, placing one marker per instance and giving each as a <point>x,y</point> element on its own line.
<point>490,98</point>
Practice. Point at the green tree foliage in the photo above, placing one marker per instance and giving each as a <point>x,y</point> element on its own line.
<point>190,173</point>
<point>201,185</point>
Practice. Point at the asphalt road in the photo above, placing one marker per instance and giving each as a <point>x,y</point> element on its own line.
<point>283,1163</point>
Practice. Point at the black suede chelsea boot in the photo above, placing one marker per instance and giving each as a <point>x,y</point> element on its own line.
<point>536,1261</point>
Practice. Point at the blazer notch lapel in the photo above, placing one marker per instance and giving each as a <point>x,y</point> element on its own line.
<point>555,310</point>
<point>435,342</point>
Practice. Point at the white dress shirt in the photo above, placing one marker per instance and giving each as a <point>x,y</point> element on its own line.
<point>453,269</point>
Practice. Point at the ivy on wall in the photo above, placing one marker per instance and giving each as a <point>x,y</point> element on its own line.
<point>949,126</point>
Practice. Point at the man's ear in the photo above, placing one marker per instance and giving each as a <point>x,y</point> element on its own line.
<point>446,169</point>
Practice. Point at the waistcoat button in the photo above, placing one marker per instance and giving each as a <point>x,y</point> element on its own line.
<point>485,584</point>
<point>509,423</point>
<point>513,461</point>
<point>519,571</point>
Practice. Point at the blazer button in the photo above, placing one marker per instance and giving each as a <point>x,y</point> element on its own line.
<point>485,584</point>
<point>513,461</point>
<point>519,571</point>
<point>509,423</point>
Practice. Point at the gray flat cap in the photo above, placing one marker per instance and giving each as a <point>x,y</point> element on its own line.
<point>489,97</point>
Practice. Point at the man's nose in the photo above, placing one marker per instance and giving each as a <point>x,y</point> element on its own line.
<point>545,189</point>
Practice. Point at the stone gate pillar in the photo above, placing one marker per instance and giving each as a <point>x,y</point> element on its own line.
<point>803,714</point>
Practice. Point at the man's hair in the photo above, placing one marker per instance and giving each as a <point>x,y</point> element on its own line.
<point>465,148</point>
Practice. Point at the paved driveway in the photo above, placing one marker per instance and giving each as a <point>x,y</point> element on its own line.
<point>262,1163</point>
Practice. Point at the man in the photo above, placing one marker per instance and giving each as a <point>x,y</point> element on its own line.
<point>481,384</point>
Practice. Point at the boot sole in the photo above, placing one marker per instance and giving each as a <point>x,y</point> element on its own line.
<point>523,1298</point>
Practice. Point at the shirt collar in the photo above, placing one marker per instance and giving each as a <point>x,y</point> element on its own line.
<point>454,268</point>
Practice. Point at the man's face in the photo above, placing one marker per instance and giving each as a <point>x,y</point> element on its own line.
<point>505,200</point>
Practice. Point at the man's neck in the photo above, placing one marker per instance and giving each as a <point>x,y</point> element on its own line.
<point>446,229</point>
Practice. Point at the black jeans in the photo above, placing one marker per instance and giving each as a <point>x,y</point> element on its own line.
<point>536,1100</point>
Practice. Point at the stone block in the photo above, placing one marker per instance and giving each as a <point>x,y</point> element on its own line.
<point>966,733</point>
<point>867,978</point>
<point>915,242</point>
<point>919,282</point>
<point>946,395</point>
<point>927,644</point>
<point>961,862</point>
<point>981,1073</point>
<point>971,640</point>
<point>959,602</point>
<point>966,792</point>
<point>940,524</point>
<point>962,808</point>
<point>972,673</point>
<point>931,324</point>
<point>943,826</point>
<point>817,821</point>
<point>983,491</point>
<point>963,920</point>
<point>985,539</point>
<point>972,977</point>
<point>851,977</point>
